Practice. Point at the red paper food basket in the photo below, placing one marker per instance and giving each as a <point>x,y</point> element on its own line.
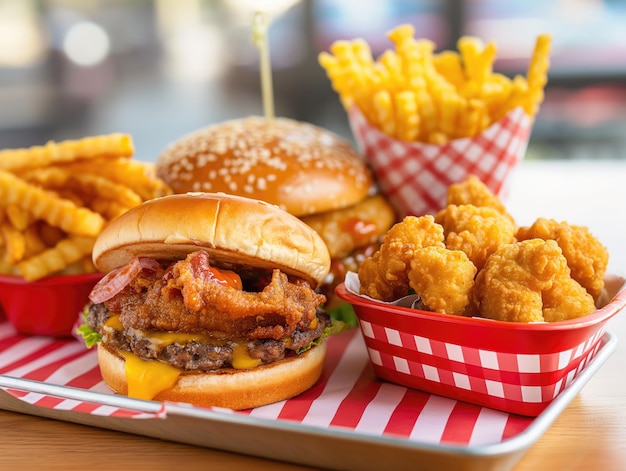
<point>515,367</point>
<point>415,176</point>
<point>48,306</point>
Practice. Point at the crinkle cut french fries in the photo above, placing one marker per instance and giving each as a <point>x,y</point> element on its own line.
<point>55,199</point>
<point>414,94</point>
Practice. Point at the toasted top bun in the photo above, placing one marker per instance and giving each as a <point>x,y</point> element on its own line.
<point>297,166</point>
<point>238,233</point>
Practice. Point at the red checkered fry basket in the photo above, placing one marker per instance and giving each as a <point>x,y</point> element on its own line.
<point>514,367</point>
<point>415,176</point>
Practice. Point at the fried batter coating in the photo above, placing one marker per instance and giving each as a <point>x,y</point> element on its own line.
<point>442,278</point>
<point>477,231</point>
<point>346,229</point>
<point>185,300</point>
<point>473,191</point>
<point>529,281</point>
<point>586,257</point>
<point>384,275</point>
<point>567,299</point>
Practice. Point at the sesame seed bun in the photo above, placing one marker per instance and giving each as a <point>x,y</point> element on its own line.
<point>234,389</point>
<point>297,166</point>
<point>238,233</point>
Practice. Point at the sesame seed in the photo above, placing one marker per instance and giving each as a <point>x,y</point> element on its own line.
<point>251,142</point>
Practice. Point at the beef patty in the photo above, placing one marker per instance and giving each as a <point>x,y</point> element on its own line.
<point>206,353</point>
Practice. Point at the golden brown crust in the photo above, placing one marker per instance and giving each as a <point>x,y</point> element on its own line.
<point>235,231</point>
<point>300,167</point>
<point>359,225</point>
<point>234,389</point>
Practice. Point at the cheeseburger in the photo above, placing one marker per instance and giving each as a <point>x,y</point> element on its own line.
<point>304,169</point>
<point>209,299</point>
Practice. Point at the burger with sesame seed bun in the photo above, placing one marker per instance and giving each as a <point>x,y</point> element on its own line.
<point>302,168</point>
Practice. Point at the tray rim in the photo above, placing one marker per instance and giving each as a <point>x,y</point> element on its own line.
<point>509,447</point>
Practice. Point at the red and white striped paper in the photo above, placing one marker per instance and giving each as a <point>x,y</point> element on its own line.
<point>348,396</point>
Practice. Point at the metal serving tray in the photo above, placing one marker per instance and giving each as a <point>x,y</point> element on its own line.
<point>360,422</point>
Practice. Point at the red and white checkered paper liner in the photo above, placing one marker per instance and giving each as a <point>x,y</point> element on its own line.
<point>348,396</point>
<point>415,176</point>
<point>505,366</point>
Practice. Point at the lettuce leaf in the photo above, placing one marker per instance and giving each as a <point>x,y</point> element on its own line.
<point>342,318</point>
<point>90,336</point>
<point>343,313</point>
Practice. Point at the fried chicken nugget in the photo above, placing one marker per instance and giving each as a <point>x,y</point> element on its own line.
<point>586,257</point>
<point>473,191</point>
<point>529,281</point>
<point>443,279</point>
<point>477,231</point>
<point>384,275</point>
<point>356,226</point>
<point>567,299</point>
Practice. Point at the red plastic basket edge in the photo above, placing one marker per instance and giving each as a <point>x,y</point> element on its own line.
<point>616,304</point>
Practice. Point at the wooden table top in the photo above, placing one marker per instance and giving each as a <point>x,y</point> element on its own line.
<point>589,434</point>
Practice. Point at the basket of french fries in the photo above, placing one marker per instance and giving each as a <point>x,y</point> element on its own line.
<point>54,201</point>
<point>426,119</point>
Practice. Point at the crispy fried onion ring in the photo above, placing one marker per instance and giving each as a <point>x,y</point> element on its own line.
<point>184,298</point>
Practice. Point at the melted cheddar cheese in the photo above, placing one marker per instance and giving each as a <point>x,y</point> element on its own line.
<point>147,378</point>
<point>114,323</point>
<point>241,359</point>
<point>168,338</point>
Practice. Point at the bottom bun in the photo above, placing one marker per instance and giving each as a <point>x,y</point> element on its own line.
<point>233,389</point>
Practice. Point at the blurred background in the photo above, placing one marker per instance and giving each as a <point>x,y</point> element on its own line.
<point>158,69</point>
